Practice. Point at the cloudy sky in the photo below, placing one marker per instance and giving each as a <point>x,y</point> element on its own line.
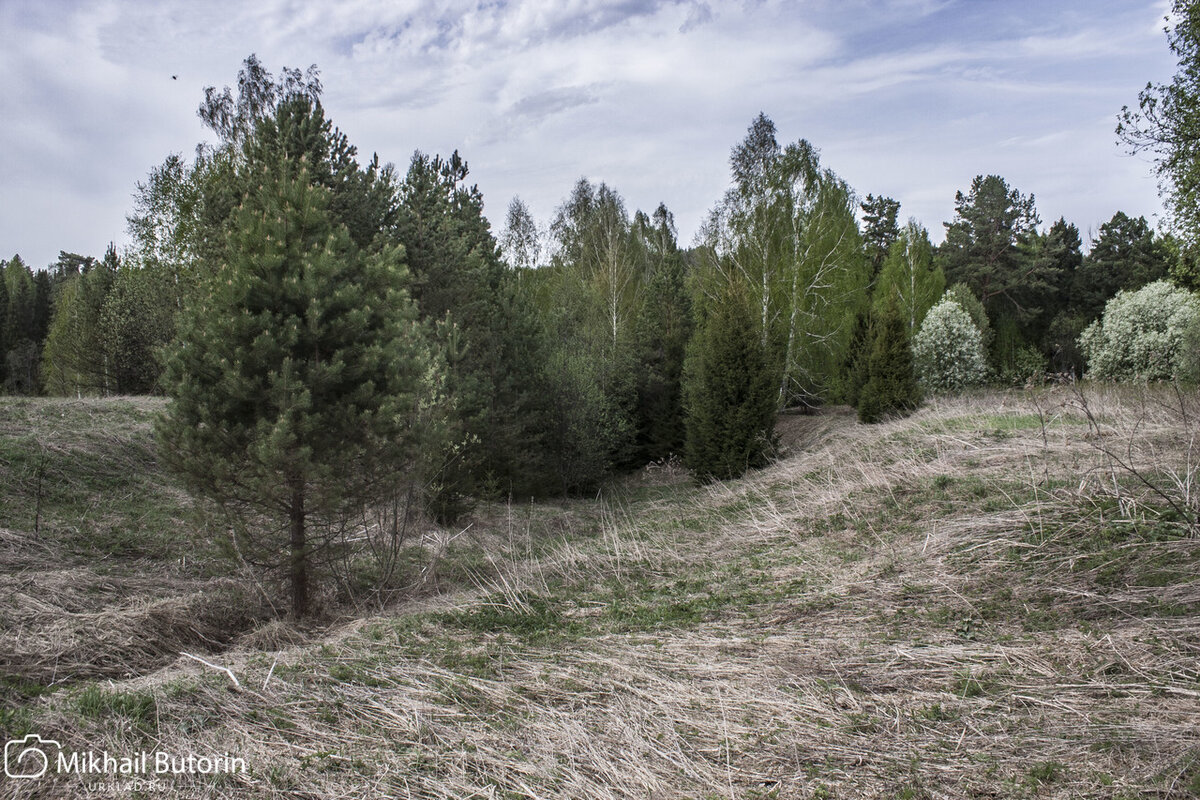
<point>908,98</point>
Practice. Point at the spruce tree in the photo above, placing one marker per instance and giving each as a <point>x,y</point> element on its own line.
<point>21,356</point>
<point>856,369</point>
<point>892,386</point>
<point>300,383</point>
<point>729,391</point>
<point>663,327</point>
<point>42,292</point>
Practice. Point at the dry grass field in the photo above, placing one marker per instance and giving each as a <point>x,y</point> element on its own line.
<point>996,597</point>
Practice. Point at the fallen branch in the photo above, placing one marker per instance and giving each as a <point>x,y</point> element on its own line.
<point>226,670</point>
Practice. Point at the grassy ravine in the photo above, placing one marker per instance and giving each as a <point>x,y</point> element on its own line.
<point>968,602</point>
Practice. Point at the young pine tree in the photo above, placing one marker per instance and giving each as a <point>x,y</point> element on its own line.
<point>891,387</point>
<point>300,383</point>
<point>729,390</point>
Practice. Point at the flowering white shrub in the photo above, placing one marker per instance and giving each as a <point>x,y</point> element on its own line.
<point>1142,334</point>
<point>948,350</point>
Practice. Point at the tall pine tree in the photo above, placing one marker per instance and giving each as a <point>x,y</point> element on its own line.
<point>301,383</point>
<point>492,343</point>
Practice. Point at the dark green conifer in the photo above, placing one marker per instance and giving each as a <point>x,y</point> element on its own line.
<point>855,367</point>
<point>729,391</point>
<point>301,382</point>
<point>489,334</point>
<point>891,387</point>
<point>663,328</point>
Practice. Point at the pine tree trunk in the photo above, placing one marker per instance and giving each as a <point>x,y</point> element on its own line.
<point>299,554</point>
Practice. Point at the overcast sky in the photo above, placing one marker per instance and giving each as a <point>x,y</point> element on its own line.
<point>908,98</point>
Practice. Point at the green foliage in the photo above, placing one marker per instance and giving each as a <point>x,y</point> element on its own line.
<point>234,120</point>
<point>586,426</point>
<point>57,357</point>
<point>1184,270</point>
<point>891,387</point>
<point>1189,356</point>
<point>1061,343</point>
<point>489,334</point>
<point>948,352</point>
<point>177,225</point>
<point>909,277</point>
<point>855,369</point>
<point>362,197</point>
<point>729,390</point>
<point>20,290</point>
<point>663,328</point>
<point>1142,334</point>
<point>184,212</point>
<point>1015,360</point>
<point>4,314</point>
<point>1167,121</point>
<point>301,386</point>
<point>25,299</point>
<point>134,324</point>
<point>880,230</point>
<point>966,299</point>
<point>521,241</point>
<point>42,304</point>
<point>986,247</point>
<point>591,302</point>
<point>1057,255</point>
<point>74,359</point>
<point>1125,256</point>
<point>787,230</point>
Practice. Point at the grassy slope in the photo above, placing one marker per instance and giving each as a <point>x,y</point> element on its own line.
<point>966,602</point>
<point>101,573</point>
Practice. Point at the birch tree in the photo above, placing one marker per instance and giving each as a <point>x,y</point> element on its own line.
<point>786,228</point>
<point>910,275</point>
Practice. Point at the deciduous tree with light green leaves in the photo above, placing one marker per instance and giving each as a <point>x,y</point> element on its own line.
<point>74,359</point>
<point>787,230</point>
<point>910,276</point>
<point>1167,122</point>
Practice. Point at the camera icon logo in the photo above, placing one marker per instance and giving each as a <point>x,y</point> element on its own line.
<point>29,757</point>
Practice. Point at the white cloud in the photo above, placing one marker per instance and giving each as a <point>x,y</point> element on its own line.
<point>907,97</point>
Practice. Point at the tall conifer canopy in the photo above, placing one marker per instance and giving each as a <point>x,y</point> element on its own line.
<point>300,381</point>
